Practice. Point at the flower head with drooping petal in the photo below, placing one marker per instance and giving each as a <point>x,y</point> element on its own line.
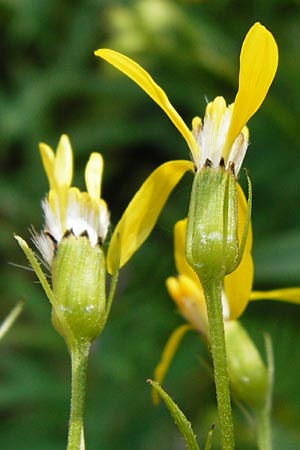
<point>66,208</point>
<point>223,136</point>
<point>186,291</point>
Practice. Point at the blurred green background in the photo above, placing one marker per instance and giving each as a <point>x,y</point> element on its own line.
<point>52,84</point>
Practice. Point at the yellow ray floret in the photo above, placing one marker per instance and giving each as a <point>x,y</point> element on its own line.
<point>141,77</point>
<point>142,212</point>
<point>167,356</point>
<point>59,167</point>
<point>290,295</point>
<point>258,65</point>
<point>93,175</point>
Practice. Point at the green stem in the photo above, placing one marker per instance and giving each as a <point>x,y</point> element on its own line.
<point>79,357</point>
<point>263,417</point>
<point>213,295</point>
<point>263,424</point>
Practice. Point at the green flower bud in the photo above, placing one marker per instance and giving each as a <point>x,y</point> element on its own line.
<point>248,374</point>
<point>212,246</point>
<point>78,284</point>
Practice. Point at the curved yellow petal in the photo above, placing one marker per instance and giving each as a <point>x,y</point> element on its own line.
<point>242,213</point>
<point>182,266</point>
<point>258,65</point>
<point>142,212</point>
<point>167,356</point>
<point>291,295</point>
<point>238,284</point>
<point>63,166</point>
<point>190,300</point>
<point>93,175</point>
<point>48,159</point>
<point>146,82</point>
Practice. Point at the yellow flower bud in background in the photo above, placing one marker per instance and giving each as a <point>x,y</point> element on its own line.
<point>248,374</point>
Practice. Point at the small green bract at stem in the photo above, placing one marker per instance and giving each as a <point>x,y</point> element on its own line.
<point>208,439</point>
<point>35,264</point>
<point>181,421</point>
<point>10,319</point>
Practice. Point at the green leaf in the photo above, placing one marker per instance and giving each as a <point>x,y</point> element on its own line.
<point>10,319</point>
<point>181,421</point>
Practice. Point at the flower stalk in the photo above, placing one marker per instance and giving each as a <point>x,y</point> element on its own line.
<point>71,248</point>
<point>213,294</point>
<point>263,416</point>
<point>263,423</point>
<point>79,358</point>
<point>213,251</point>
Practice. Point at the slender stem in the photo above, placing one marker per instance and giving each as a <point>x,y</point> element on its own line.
<point>79,357</point>
<point>263,417</point>
<point>213,295</point>
<point>263,424</point>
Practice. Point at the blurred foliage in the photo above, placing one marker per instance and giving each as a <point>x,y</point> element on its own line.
<point>52,84</point>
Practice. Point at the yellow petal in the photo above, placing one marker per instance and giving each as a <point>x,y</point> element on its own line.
<point>291,295</point>
<point>63,166</point>
<point>238,287</point>
<point>146,82</point>
<point>142,212</point>
<point>48,159</point>
<point>190,300</point>
<point>242,213</point>
<point>182,266</point>
<point>238,284</point>
<point>258,65</point>
<point>167,356</point>
<point>93,175</point>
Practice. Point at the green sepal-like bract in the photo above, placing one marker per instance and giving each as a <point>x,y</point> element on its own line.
<point>78,285</point>
<point>212,246</point>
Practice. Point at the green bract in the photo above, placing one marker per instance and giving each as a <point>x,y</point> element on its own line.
<point>212,245</point>
<point>78,285</point>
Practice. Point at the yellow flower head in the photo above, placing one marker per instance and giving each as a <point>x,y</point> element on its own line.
<point>189,298</point>
<point>223,137</point>
<point>187,292</point>
<point>244,362</point>
<point>67,209</point>
<point>221,140</point>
